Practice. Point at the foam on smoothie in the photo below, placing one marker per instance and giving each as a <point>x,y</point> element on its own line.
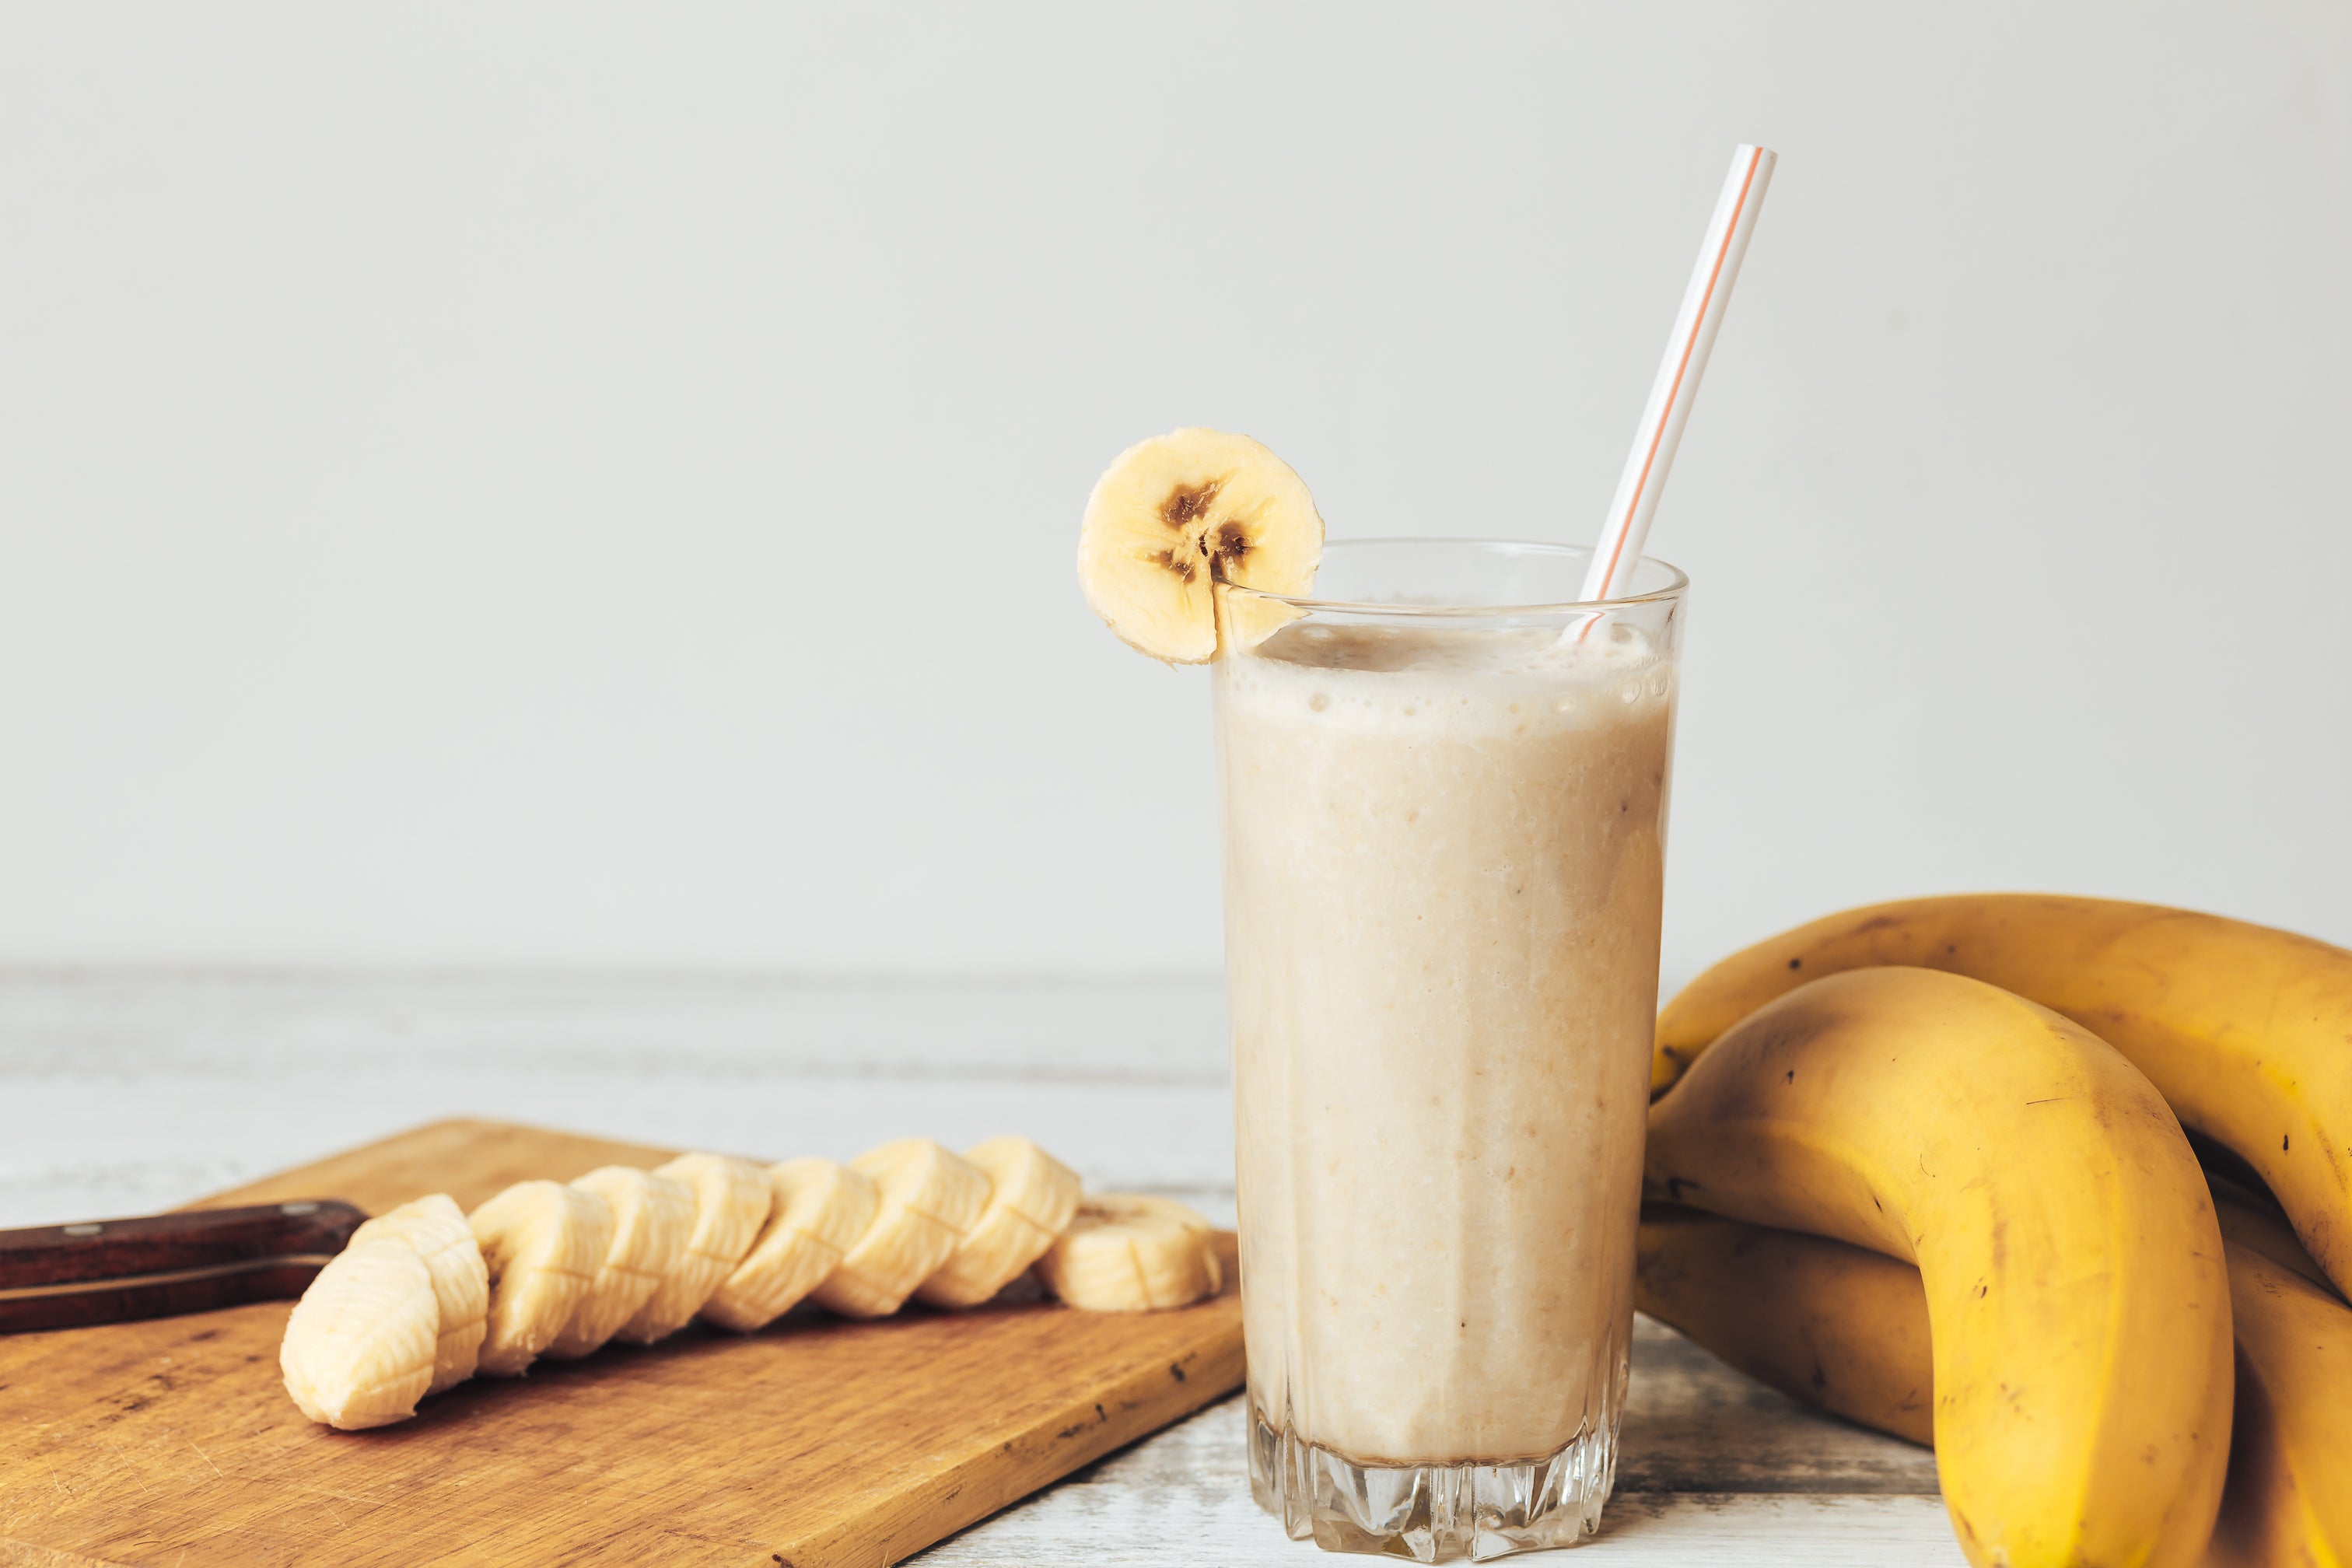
<point>1436,680</point>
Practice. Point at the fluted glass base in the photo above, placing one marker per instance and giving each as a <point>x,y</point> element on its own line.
<point>1430,1513</point>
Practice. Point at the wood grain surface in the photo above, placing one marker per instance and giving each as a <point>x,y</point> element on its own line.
<point>817,1443</point>
<point>130,1090</point>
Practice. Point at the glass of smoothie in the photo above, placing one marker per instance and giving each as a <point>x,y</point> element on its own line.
<point>1444,786</point>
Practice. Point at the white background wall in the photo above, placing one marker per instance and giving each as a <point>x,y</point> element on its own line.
<point>557,484</point>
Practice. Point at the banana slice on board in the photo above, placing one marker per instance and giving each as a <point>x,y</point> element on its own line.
<point>731,1204</point>
<point>1177,513</point>
<point>1032,1196</point>
<point>930,1198</point>
<point>543,1241</point>
<point>822,1210</point>
<point>1128,1253</point>
<point>436,1227</point>
<point>358,1351</point>
<point>652,1217</point>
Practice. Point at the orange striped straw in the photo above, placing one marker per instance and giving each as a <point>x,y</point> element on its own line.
<point>1610,576</point>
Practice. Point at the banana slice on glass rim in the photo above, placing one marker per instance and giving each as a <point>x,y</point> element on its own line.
<point>1174,517</point>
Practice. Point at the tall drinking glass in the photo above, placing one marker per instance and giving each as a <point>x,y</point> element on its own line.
<point>1444,793</point>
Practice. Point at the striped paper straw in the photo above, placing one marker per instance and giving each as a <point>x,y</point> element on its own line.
<point>1620,550</point>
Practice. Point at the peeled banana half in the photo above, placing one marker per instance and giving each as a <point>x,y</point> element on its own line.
<point>1178,516</point>
<point>543,1243</point>
<point>426,1295</point>
<point>1128,1252</point>
<point>2078,1307</point>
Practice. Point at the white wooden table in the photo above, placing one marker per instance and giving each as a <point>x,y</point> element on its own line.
<point>126,1092</point>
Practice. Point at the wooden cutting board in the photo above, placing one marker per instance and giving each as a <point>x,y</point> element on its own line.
<point>818,1443</point>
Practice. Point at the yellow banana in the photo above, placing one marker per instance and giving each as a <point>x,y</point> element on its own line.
<point>2246,1031</point>
<point>2290,1497</point>
<point>1824,1322</point>
<point>1846,1329</point>
<point>2079,1307</point>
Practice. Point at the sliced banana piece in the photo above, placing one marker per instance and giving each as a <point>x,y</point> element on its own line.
<point>1128,1253</point>
<point>1177,513</point>
<point>821,1211</point>
<point>730,1204</point>
<point>543,1241</point>
<point>358,1351</point>
<point>930,1198</point>
<point>1032,1196</point>
<point>652,1217</point>
<point>436,1227</point>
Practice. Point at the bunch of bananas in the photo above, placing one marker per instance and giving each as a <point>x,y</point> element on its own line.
<point>1946,1193</point>
<point>427,1296</point>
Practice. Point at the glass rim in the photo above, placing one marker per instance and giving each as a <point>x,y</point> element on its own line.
<point>1309,602</point>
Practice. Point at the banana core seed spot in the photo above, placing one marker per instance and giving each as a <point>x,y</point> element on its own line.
<point>1232,544</point>
<point>1186,503</point>
<point>1176,564</point>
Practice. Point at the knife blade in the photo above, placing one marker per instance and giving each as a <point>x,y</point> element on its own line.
<point>155,1266</point>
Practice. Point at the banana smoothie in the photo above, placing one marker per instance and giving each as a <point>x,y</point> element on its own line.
<point>1443,779</point>
<point>1444,858</point>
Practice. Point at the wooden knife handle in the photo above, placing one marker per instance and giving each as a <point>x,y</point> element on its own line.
<point>104,1271</point>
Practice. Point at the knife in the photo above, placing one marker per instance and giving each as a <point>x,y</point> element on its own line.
<point>109,1270</point>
